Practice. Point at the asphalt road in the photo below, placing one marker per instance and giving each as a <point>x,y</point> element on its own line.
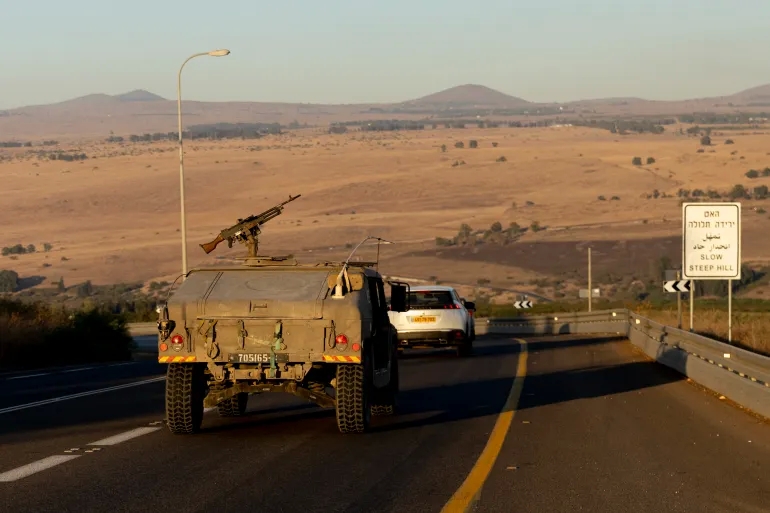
<point>588,425</point>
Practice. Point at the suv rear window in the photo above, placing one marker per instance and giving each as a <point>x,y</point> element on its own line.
<point>430,299</point>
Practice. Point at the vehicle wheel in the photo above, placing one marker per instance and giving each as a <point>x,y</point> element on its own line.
<point>234,406</point>
<point>353,385</point>
<point>465,349</point>
<point>185,387</point>
<point>384,400</point>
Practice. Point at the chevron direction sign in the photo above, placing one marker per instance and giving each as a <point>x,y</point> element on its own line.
<point>677,285</point>
<point>522,304</point>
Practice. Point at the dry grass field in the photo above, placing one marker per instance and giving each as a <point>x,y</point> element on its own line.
<point>115,216</point>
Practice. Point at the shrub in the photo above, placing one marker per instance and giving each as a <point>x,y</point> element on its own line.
<point>650,160</point>
<point>459,144</point>
<point>494,145</point>
<point>501,159</point>
<point>637,161</point>
<point>39,335</point>
<point>602,198</point>
<point>752,173</point>
<point>729,141</point>
<point>705,140</point>
<point>473,143</point>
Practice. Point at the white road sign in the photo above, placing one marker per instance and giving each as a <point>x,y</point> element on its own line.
<point>711,241</point>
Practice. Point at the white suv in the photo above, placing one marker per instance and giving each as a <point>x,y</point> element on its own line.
<point>437,317</point>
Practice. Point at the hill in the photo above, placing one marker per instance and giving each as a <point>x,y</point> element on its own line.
<point>468,95</point>
<point>140,111</point>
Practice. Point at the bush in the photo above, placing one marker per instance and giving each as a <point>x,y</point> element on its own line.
<point>473,143</point>
<point>752,173</point>
<point>650,160</point>
<point>637,161</point>
<point>729,141</point>
<point>501,159</point>
<point>459,144</point>
<point>494,145</point>
<point>9,281</point>
<point>36,335</point>
<point>705,140</point>
<point>602,198</point>
<point>615,198</point>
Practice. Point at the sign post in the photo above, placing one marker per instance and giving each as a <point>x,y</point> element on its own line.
<point>677,286</point>
<point>589,279</point>
<point>711,247</point>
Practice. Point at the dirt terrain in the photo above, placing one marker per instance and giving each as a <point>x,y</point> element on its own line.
<point>114,217</point>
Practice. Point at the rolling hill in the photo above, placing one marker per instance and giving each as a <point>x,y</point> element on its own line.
<point>141,111</point>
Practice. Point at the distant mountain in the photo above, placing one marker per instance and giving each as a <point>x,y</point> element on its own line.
<point>140,111</point>
<point>139,95</point>
<point>468,95</point>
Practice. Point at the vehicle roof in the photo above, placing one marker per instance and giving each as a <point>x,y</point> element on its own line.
<point>432,288</point>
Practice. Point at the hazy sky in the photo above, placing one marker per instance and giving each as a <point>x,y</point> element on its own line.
<point>346,51</point>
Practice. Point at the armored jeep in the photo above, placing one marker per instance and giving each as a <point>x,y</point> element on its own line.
<point>320,331</point>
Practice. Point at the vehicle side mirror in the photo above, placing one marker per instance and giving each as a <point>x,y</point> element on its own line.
<point>399,297</point>
<point>470,305</point>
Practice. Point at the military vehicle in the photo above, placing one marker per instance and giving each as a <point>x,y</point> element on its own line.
<point>320,331</point>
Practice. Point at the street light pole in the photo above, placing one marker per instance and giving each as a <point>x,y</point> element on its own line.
<point>213,53</point>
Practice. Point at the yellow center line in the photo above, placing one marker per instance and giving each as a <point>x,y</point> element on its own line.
<point>468,492</point>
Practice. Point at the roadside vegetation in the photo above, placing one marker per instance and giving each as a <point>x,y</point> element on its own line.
<point>39,334</point>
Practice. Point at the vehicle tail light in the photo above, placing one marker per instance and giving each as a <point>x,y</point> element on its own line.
<point>341,339</point>
<point>453,306</point>
<point>163,347</point>
<point>177,339</point>
<point>356,346</point>
<point>458,335</point>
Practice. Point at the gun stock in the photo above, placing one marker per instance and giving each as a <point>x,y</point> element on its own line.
<point>210,246</point>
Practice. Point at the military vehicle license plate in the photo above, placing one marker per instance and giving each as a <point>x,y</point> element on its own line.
<point>424,319</point>
<point>257,357</point>
<point>250,357</point>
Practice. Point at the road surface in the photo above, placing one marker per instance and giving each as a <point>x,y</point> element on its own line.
<point>587,424</point>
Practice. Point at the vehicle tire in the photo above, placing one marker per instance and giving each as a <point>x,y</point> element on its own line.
<point>384,400</point>
<point>465,349</point>
<point>353,387</point>
<point>234,406</point>
<point>185,388</point>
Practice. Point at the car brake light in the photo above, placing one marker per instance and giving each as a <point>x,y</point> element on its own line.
<point>177,339</point>
<point>458,334</point>
<point>341,339</point>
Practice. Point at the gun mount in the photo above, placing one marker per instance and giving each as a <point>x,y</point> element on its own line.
<point>246,231</point>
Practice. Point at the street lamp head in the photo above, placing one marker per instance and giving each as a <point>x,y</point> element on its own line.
<point>219,53</point>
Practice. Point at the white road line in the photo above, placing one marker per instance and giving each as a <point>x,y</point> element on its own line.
<point>34,467</point>
<point>78,370</point>
<point>119,364</point>
<point>28,376</point>
<point>81,394</point>
<point>128,435</point>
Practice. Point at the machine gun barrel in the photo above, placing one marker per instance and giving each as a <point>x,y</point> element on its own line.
<point>247,229</point>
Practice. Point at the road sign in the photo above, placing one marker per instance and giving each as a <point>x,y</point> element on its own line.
<point>522,304</point>
<point>594,292</point>
<point>711,241</point>
<point>677,286</point>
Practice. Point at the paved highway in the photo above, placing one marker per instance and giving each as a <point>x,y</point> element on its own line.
<point>548,424</point>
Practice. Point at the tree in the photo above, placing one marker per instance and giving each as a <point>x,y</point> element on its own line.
<point>9,281</point>
<point>738,191</point>
<point>496,227</point>
<point>761,192</point>
<point>474,143</point>
<point>705,140</point>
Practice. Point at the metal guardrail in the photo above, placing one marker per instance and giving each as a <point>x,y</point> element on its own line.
<point>738,374</point>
